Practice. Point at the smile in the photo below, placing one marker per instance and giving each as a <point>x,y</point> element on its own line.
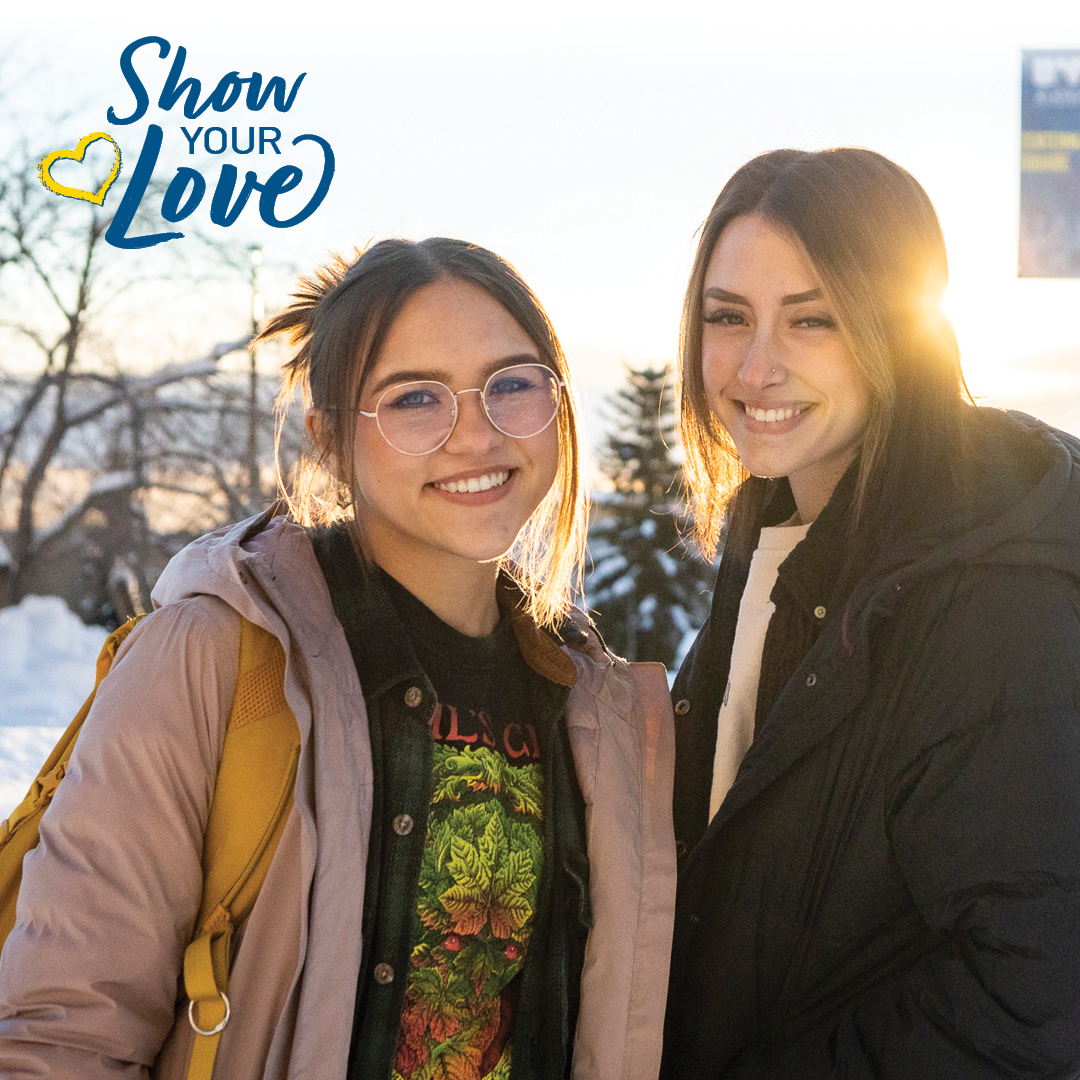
<point>476,483</point>
<point>769,416</point>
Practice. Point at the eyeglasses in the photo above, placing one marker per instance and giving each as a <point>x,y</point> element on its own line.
<point>416,418</point>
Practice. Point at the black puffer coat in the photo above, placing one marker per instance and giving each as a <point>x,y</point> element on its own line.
<point>892,886</point>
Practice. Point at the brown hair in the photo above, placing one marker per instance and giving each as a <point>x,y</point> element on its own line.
<point>873,238</point>
<point>338,321</point>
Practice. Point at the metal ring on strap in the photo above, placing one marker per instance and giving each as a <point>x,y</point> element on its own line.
<point>212,1031</point>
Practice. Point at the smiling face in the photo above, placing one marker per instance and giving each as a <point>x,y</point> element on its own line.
<point>776,370</point>
<point>441,514</point>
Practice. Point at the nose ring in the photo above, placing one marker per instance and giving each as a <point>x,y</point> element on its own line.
<point>773,370</point>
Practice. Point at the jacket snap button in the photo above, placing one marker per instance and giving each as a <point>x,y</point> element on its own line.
<point>384,974</point>
<point>413,696</point>
<point>819,612</point>
<point>680,848</point>
<point>811,679</point>
<point>694,920</point>
<point>403,824</point>
<point>682,708</point>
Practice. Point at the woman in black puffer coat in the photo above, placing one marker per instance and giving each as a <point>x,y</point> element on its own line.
<point>878,729</point>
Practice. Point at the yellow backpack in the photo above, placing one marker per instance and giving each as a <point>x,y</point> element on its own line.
<point>253,794</point>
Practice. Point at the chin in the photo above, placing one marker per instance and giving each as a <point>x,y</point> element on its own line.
<point>482,551</point>
<point>764,467</point>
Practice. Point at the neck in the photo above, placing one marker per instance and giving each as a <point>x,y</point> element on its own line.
<point>458,591</point>
<point>813,489</point>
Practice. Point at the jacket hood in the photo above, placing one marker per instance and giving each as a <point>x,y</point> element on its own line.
<point>1022,508</point>
<point>247,565</point>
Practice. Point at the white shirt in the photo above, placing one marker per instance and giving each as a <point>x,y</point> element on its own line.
<point>735,724</point>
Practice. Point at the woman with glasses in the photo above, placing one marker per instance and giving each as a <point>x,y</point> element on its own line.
<point>477,876</point>
<point>878,728</point>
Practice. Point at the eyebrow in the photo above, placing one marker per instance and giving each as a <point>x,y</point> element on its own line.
<point>716,293</point>
<point>434,375</point>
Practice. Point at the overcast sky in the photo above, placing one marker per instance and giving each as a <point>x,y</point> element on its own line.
<point>585,142</point>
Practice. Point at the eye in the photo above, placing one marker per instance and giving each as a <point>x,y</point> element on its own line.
<point>816,322</point>
<point>515,381</point>
<point>414,397</point>
<point>725,317</point>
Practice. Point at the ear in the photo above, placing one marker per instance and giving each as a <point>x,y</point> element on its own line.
<point>321,432</point>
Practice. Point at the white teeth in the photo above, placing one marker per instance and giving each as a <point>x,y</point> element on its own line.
<point>769,416</point>
<point>476,483</point>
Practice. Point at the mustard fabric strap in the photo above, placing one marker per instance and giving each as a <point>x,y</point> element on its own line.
<point>208,1006</point>
<point>199,982</point>
<point>202,1057</point>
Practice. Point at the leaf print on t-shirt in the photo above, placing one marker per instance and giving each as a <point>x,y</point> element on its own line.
<point>461,772</point>
<point>479,879</point>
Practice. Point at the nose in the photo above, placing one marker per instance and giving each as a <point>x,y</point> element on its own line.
<point>473,432</point>
<point>762,365</point>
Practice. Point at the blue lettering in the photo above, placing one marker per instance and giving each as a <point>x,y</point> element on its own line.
<point>142,99</point>
<point>263,139</point>
<point>191,138</point>
<point>171,210</point>
<point>282,180</point>
<point>116,235</point>
<point>250,145</point>
<point>220,214</point>
<point>275,86</point>
<point>224,140</point>
<point>173,89</point>
<point>227,92</point>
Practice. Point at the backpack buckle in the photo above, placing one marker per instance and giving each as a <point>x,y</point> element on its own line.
<point>212,1031</point>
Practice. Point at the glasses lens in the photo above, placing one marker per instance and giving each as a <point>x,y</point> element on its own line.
<point>522,400</point>
<point>416,417</point>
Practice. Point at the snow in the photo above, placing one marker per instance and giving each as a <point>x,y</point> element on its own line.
<point>112,481</point>
<point>47,659</point>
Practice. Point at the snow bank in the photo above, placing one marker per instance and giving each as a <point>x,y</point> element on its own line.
<point>47,659</point>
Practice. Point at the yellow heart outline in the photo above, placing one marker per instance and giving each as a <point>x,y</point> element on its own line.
<point>47,162</point>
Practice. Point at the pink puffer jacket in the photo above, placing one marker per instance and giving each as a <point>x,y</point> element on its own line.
<point>88,978</point>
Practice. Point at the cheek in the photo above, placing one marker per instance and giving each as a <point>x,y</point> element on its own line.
<point>856,401</point>
<point>548,457</point>
<point>716,372</point>
<point>374,468</point>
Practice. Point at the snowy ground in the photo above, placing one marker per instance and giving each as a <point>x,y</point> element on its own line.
<point>47,659</point>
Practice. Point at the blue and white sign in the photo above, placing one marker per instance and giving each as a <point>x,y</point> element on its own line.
<point>1050,164</point>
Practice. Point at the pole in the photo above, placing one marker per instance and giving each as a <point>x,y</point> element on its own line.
<point>257,310</point>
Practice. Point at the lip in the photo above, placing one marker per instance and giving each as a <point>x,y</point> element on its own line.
<point>800,411</point>
<point>480,497</point>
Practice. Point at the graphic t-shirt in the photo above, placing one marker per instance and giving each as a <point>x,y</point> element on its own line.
<point>482,855</point>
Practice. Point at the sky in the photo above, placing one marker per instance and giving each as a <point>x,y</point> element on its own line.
<point>585,142</point>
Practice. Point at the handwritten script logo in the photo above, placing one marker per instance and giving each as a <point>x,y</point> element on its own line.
<point>187,188</point>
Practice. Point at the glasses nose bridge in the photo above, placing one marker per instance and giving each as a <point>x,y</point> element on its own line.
<point>455,394</point>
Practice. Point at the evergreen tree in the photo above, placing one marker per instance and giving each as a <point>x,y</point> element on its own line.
<point>647,589</point>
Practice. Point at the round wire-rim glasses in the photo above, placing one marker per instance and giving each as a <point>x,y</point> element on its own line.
<point>416,418</point>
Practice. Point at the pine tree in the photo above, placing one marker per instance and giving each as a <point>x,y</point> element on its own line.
<point>647,589</point>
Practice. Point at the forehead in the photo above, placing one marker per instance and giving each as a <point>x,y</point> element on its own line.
<point>752,254</point>
<point>451,328</point>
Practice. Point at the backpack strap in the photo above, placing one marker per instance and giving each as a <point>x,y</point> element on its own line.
<point>19,832</point>
<point>253,795</point>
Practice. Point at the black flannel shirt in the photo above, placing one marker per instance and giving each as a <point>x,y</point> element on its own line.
<point>400,701</point>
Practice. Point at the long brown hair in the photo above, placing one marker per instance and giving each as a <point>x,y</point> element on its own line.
<point>872,236</point>
<point>338,320</point>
